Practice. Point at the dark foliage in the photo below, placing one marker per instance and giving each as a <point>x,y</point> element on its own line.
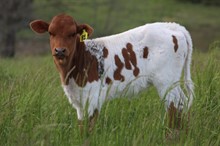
<point>205,2</point>
<point>14,15</point>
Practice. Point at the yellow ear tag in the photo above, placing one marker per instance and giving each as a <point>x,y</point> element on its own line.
<point>83,36</point>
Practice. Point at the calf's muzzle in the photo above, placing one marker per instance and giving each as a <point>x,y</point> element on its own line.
<point>60,53</point>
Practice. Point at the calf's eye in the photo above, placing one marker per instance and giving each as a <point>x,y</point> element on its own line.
<point>72,34</point>
<point>51,34</point>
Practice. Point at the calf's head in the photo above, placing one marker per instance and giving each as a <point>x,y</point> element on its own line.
<point>64,36</point>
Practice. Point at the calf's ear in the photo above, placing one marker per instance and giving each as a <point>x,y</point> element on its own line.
<point>88,29</point>
<point>39,26</point>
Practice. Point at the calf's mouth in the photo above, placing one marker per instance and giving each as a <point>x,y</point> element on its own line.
<point>59,56</point>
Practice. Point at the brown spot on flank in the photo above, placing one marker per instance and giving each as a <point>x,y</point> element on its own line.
<point>145,53</point>
<point>175,41</point>
<point>108,80</point>
<point>105,52</point>
<point>126,58</point>
<point>136,71</point>
<point>117,73</point>
<point>133,59</point>
<point>129,46</point>
<point>132,54</point>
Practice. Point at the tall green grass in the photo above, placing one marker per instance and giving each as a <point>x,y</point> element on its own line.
<point>34,110</point>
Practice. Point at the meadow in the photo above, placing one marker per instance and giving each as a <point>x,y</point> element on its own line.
<point>34,110</point>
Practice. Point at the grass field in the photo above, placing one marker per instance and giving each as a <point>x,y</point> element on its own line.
<point>34,110</point>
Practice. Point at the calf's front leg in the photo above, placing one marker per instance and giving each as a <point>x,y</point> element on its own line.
<point>93,119</point>
<point>80,117</point>
<point>91,123</point>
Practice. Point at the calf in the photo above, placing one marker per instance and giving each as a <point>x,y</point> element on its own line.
<point>120,65</point>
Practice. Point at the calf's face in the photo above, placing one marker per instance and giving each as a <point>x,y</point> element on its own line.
<point>64,36</point>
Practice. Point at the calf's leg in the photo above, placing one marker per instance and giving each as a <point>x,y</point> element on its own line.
<point>80,124</point>
<point>176,103</point>
<point>175,117</point>
<point>93,119</point>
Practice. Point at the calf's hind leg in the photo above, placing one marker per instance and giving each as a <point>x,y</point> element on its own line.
<point>175,117</point>
<point>176,102</point>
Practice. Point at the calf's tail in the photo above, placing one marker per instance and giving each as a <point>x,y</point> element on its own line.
<point>187,75</point>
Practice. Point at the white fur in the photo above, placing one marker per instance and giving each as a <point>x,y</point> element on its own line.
<point>162,68</point>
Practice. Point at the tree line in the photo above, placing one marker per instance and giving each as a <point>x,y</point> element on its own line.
<point>16,14</point>
<point>205,2</point>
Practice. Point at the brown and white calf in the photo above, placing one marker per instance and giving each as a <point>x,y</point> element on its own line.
<point>123,64</point>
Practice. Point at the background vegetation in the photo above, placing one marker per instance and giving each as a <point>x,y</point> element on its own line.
<point>34,110</point>
<point>106,17</point>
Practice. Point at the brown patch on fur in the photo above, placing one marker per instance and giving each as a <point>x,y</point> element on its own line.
<point>105,52</point>
<point>130,58</point>
<point>129,46</point>
<point>145,53</point>
<point>175,41</point>
<point>136,72</point>
<point>117,73</point>
<point>108,80</point>
<point>85,67</point>
<point>133,59</point>
<point>126,58</point>
<point>93,74</point>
